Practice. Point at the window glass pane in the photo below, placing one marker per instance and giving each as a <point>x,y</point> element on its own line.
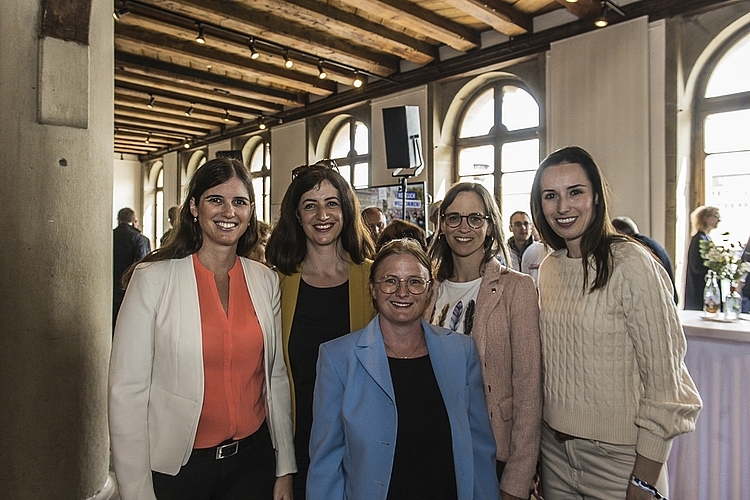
<point>728,187</point>
<point>258,190</point>
<point>267,200</point>
<point>727,131</point>
<point>732,73</point>
<point>522,155</point>
<point>256,159</point>
<point>361,138</point>
<point>159,214</point>
<point>160,179</point>
<point>488,181</point>
<point>361,175</point>
<point>520,110</point>
<point>480,117</point>
<point>476,161</point>
<point>516,189</point>
<point>345,171</point>
<point>340,146</point>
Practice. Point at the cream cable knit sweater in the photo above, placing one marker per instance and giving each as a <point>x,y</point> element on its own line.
<point>614,358</point>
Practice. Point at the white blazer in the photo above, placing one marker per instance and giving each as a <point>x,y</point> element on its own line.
<point>156,373</point>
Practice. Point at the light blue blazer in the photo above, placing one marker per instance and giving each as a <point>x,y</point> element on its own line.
<point>355,417</point>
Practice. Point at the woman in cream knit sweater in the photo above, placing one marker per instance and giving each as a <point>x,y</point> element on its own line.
<point>616,389</point>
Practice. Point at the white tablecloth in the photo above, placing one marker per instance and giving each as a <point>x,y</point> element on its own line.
<point>714,461</point>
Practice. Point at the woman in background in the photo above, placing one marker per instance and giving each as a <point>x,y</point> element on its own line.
<point>616,389</point>
<point>199,405</point>
<point>258,253</point>
<point>319,247</point>
<point>399,407</point>
<point>498,307</point>
<point>398,229</point>
<point>702,221</point>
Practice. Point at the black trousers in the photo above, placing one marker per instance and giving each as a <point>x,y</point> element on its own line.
<point>248,475</point>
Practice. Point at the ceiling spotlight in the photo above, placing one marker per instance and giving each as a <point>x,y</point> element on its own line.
<point>571,1</point>
<point>253,53</point>
<point>121,157</point>
<point>321,72</point>
<point>226,115</point>
<point>287,62</point>
<point>607,5</point>
<point>358,82</point>
<point>150,104</point>
<point>262,123</point>
<point>121,12</point>
<point>201,38</point>
<point>190,109</point>
<point>186,144</point>
<point>148,138</point>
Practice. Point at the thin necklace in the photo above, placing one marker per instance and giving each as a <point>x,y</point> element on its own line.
<point>409,355</point>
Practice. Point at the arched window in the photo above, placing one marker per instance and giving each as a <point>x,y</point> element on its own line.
<point>351,150</point>
<point>497,142</point>
<point>722,146</point>
<point>260,169</point>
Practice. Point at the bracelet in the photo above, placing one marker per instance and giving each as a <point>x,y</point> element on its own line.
<point>647,487</point>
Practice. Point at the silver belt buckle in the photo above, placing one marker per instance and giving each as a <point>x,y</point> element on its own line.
<point>227,450</point>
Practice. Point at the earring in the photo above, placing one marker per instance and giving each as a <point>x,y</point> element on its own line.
<point>195,219</point>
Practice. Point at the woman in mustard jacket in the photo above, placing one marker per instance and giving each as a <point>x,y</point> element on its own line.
<point>319,248</point>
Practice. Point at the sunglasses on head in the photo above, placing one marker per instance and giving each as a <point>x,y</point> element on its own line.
<point>325,164</point>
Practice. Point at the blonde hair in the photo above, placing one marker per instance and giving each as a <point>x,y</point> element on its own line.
<point>699,218</point>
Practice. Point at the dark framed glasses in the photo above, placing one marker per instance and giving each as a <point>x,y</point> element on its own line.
<point>415,284</point>
<point>475,221</point>
<point>324,164</point>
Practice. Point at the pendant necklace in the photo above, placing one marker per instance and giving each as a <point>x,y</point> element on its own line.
<point>404,357</point>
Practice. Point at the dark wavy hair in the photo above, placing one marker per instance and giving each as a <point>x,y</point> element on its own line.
<point>598,237</point>
<point>400,246</point>
<point>494,243</point>
<point>398,229</point>
<point>187,237</point>
<point>287,246</point>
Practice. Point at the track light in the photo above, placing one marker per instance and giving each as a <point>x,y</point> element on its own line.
<point>261,123</point>
<point>201,38</point>
<point>253,53</point>
<point>571,1</point>
<point>148,138</point>
<point>321,72</point>
<point>117,15</point>
<point>287,62</point>
<point>358,82</point>
<point>151,99</point>
<point>190,109</point>
<point>607,5</point>
<point>226,115</point>
<point>186,144</point>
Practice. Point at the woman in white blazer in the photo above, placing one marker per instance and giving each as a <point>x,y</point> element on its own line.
<point>199,403</point>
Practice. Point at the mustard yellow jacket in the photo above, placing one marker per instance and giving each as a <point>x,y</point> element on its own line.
<point>361,310</point>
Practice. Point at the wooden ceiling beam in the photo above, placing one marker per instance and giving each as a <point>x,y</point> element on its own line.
<point>583,9</point>
<point>160,125</point>
<point>164,109</point>
<point>241,18</point>
<point>136,40</point>
<point>422,21</point>
<point>194,120</point>
<point>137,98</point>
<point>210,80</point>
<point>497,14</point>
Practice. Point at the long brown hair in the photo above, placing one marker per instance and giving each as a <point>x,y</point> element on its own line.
<point>187,237</point>
<point>598,237</point>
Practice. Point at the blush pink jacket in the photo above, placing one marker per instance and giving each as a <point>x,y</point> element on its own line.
<point>506,332</point>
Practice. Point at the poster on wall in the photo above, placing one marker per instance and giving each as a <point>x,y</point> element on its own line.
<point>390,200</point>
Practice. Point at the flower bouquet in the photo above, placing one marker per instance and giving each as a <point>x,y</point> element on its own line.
<point>727,263</point>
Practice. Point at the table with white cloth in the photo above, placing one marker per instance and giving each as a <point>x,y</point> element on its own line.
<point>713,462</point>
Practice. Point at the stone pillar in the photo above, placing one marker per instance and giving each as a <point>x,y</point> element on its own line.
<point>56,136</point>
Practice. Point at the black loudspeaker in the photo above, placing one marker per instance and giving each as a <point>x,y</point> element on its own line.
<point>403,146</point>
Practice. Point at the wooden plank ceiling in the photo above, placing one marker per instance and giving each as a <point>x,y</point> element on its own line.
<point>261,59</point>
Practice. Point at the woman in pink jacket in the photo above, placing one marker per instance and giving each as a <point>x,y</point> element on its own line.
<point>498,307</point>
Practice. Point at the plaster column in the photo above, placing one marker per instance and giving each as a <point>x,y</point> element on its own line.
<point>55,256</point>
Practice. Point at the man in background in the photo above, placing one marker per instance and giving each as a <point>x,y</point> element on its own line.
<point>525,252</point>
<point>375,221</point>
<point>626,225</point>
<point>172,215</point>
<point>129,246</point>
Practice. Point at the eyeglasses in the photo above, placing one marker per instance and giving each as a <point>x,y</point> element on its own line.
<point>325,164</point>
<point>475,221</point>
<point>415,284</point>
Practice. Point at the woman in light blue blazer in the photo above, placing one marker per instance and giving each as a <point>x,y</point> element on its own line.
<point>399,409</point>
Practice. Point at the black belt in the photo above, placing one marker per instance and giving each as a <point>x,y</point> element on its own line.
<point>229,448</point>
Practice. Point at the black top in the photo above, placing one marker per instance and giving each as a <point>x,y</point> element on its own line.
<point>661,254</point>
<point>695,280</point>
<point>423,462</point>
<point>321,314</point>
<point>128,247</point>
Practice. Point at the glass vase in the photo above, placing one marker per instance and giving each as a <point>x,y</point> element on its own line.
<point>711,296</point>
<point>732,301</point>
